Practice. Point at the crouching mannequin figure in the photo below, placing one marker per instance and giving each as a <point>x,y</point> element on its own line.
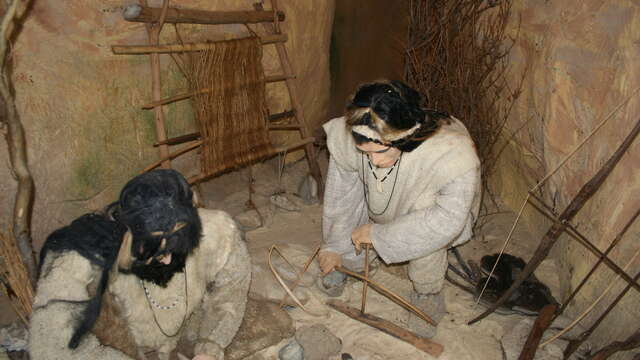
<point>156,269</point>
<point>403,179</point>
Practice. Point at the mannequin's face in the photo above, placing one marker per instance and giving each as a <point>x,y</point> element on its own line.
<point>382,156</point>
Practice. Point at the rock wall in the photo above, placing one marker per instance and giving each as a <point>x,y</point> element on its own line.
<point>581,61</point>
<point>80,104</point>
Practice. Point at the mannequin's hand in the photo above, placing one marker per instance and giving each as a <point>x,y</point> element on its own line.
<point>360,236</point>
<point>328,260</point>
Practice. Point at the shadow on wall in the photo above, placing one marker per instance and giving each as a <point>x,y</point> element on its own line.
<point>367,43</point>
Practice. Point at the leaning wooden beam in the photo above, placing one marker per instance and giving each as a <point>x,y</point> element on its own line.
<point>601,258</point>
<point>139,13</point>
<point>549,239</point>
<point>575,343</point>
<point>630,343</point>
<point>169,100</point>
<point>176,48</point>
<point>173,155</point>
<point>432,348</point>
<point>542,323</point>
<point>578,236</point>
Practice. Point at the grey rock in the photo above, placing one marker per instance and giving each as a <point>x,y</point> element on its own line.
<point>308,190</point>
<point>249,220</point>
<point>291,351</point>
<point>318,342</point>
<point>14,338</point>
<point>333,283</point>
<point>281,201</point>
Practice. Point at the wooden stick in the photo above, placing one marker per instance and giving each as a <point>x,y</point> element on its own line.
<point>542,323</point>
<point>432,348</point>
<point>151,105</point>
<point>314,168</point>
<point>173,155</point>
<point>299,277</point>
<point>138,13</point>
<point>549,239</point>
<point>365,284</point>
<point>388,293</point>
<point>16,142</point>
<point>615,241</point>
<point>578,236</point>
<point>189,47</point>
<point>179,139</point>
<point>630,343</point>
<point>603,293</point>
<point>575,344</point>
<point>153,33</point>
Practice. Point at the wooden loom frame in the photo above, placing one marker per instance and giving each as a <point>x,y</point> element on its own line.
<point>155,18</point>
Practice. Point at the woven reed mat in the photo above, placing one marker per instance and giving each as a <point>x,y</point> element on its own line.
<point>232,113</point>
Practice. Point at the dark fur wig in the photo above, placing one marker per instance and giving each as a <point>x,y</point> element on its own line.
<point>157,207</point>
<point>392,112</point>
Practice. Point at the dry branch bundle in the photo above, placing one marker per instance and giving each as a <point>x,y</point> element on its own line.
<point>14,277</point>
<point>457,57</point>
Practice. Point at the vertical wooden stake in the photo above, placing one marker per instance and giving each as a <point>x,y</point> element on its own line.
<point>365,284</point>
<point>153,31</point>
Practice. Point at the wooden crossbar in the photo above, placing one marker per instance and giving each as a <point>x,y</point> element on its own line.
<point>145,14</point>
<point>177,48</point>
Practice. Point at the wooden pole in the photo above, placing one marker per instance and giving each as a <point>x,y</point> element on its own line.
<point>575,343</point>
<point>169,100</point>
<point>578,236</point>
<point>549,239</point>
<point>138,13</point>
<point>153,32</point>
<point>154,48</point>
<point>542,323</point>
<point>179,139</point>
<point>388,293</point>
<point>16,142</point>
<point>365,284</point>
<point>314,168</point>
<point>173,155</point>
<point>630,343</point>
<point>432,348</point>
<point>615,241</point>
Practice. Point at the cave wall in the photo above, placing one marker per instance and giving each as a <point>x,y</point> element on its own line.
<point>80,104</point>
<point>581,61</point>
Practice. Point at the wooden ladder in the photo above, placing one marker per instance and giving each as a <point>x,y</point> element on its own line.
<point>270,20</point>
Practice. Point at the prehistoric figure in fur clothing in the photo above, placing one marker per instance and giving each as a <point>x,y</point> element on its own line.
<point>405,180</point>
<point>154,267</point>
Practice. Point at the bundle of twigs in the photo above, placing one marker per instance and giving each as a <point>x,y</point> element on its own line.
<point>457,57</point>
<point>14,278</point>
